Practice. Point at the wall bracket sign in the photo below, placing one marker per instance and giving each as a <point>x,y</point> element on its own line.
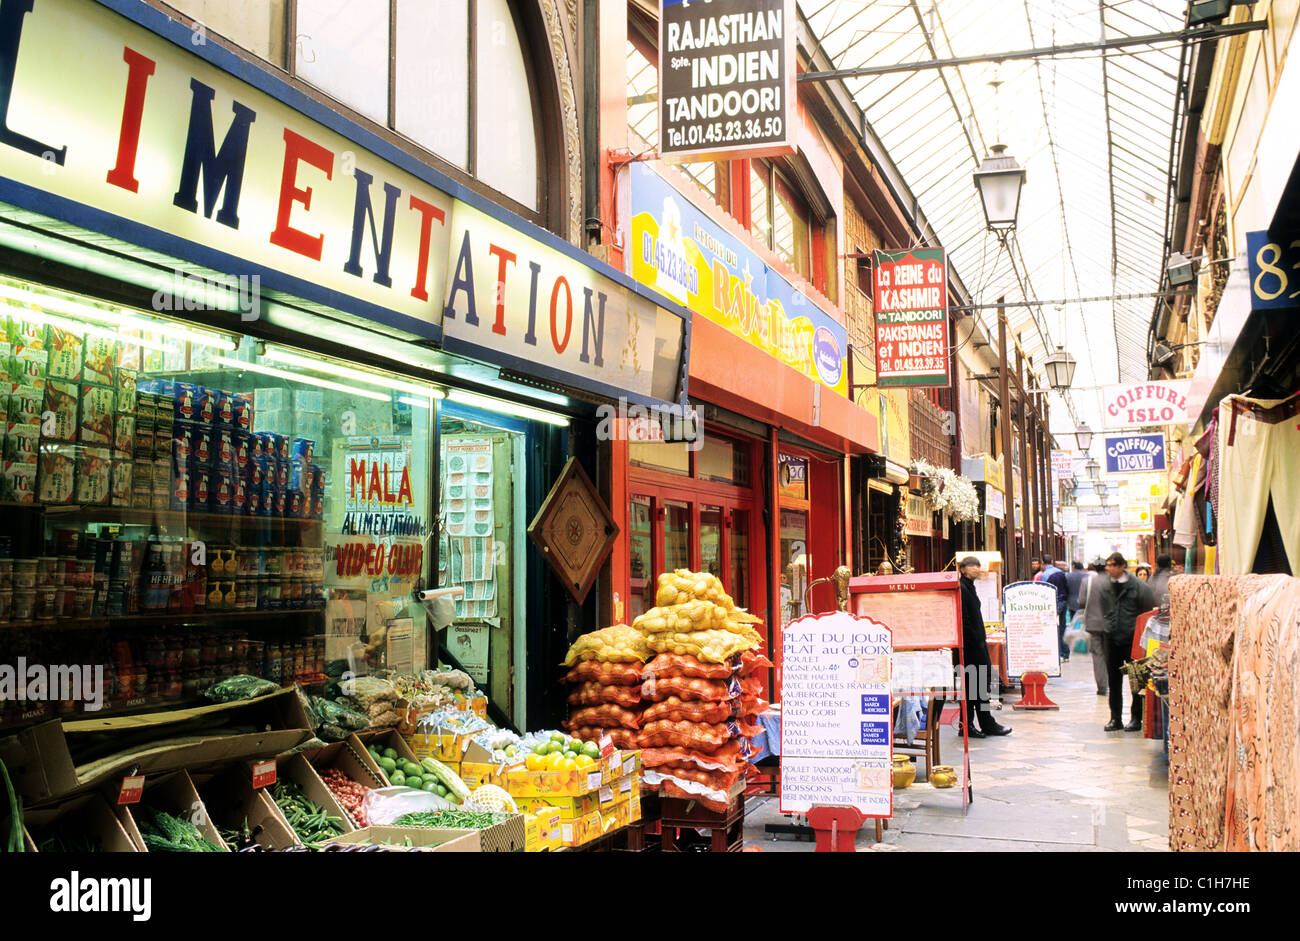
<point>574,530</point>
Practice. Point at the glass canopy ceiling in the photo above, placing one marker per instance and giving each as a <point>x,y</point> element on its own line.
<point>1093,130</point>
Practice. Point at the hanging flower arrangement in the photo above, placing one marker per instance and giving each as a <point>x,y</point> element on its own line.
<point>949,492</point>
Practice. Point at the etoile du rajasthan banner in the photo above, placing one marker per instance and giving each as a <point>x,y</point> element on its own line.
<point>911,301</point>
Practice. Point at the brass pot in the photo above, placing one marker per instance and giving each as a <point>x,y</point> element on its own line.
<point>943,776</point>
<point>904,772</point>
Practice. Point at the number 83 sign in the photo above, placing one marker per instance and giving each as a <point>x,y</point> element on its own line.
<point>1274,271</point>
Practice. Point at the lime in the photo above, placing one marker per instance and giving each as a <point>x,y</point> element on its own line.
<point>431,786</point>
<point>388,765</point>
<point>414,780</point>
<point>571,755</point>
<point>591,749</point>
<point>440,790</point>
<point>397,779</point>
<point>390,753</point>
<point>558,737</point>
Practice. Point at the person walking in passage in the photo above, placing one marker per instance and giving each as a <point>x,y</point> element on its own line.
<point>1051,575</point>
<point>1159,580</point>
<point>1123,599</point>
<point>1094,622</point>
<point>975,650</point>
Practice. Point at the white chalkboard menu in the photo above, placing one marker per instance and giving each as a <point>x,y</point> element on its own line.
<point>836,726</point>
<point>1029,618</point>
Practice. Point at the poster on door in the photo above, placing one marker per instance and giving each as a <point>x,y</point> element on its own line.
<point>469,644</point>
<point>1029,618</point>
<point>836,728</point>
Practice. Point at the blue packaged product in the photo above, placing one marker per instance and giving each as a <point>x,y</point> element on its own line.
<point>273,445</point>
<point>183,444</point>
<point>242,403</point>
<point>222,499</point>
<point>317,511</point>
<point>255,474</point>
<point>239,499</point>
<point>318,480</point>
<point>277,501</point>
<point>223,450</point>
<point>243,451</point>
<point>293,504</point>
<point>257,499</point>
<point>202,451</point>
<point>256,447</point>
<point>186,401</point>
<point>223,408</point>
<point>302,476</point>
<point>180,488</point>
<point>200,489</point>
<point>281,478</point>
<point>304,449</point>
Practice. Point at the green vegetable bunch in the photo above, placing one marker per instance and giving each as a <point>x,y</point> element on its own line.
<point>164,833</point>
<point>313,826</point>
<point>451,819</point>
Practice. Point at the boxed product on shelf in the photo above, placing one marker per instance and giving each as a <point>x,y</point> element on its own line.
<point>22,442</point>
<point>86,820</point>
<point>56,474</point>
<point>308,400</point>
<point>125,382</point>
<point>303,450</point>
<point>26,401</point>
<point>99,354</point>
<point>65,354</point>
<point>61,400</point>
<point>223,449</point>
<point>581,830</point>
<point>96,410</point>
<point>242,403</point>
<point>542,830</point>
<point>28,364</point>
<point>18,482</point>
<point>123,432</point>
<point>222,497</point>
<point>120,488</point>
<point>23,332</point>
<point>241,442</point>
<point>223,409</point>
<point>142,443</point>
<point>94,476</point>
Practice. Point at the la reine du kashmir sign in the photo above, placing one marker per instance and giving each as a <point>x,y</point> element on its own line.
<point>120,129</point>
<point>1126,454</point>
<point>911,301</point>
<point>727,74</point>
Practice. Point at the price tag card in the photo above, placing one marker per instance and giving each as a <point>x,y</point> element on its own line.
<point>263,773</point>
<point>624,785</point>
<point>132,789</point>
<point>593,780</point>
<point>606,795</point>
<point>606,746</point>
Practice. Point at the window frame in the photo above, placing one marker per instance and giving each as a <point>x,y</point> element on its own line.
<point>543,99</point>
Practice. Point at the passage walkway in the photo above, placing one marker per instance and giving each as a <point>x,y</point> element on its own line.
<point>1057,783</point>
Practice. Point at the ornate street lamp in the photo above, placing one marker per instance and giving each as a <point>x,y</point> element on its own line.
<point>1083,435</point>
<point>1060,369</point>
<point>1093,468</point>
<point>999,179</point>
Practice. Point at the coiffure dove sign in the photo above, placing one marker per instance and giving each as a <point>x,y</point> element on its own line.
<point>119,120</point>
<point>1127,454</point>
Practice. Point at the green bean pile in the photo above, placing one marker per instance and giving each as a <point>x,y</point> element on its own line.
<point>451,819</point>
<point>312,824</point>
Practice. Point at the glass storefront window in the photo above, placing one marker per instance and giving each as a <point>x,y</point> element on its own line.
<point>677,536</point>
<point>190,504</point>
<point>642,555</point>
<point>740,557</point>
<point>723,460</point>
<point>794,563</point>
<point>660,455</point>
<point>711,540</point>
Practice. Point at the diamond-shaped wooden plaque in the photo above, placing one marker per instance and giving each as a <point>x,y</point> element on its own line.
<point>574,530</point>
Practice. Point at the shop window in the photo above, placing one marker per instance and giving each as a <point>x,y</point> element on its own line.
<point>723,460</point>
<point>862,271</point>
<point>255,25</point>
<point>471,103</point>
<point>660,455</point>
<point>159,473</point>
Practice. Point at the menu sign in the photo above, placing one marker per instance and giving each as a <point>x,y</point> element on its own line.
<point>836,729</point>
<point>726,78</point>
<point>1029,619</point>
<point>911,299</point>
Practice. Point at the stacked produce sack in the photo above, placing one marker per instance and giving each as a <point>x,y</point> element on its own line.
<point>678,684</point>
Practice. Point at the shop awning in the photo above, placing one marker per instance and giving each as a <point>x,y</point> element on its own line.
<point>732,373</point>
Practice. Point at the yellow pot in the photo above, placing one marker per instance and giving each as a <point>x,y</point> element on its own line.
<point>904,772</point>
<point>943,776</point>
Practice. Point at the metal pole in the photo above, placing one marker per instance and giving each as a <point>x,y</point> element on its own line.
<point>1025,507</point>
<point>1035,487</point>
<point>1004,401</point>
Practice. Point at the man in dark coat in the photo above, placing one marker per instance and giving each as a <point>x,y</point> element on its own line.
<point>1123,599</point>
<point>975,650</point>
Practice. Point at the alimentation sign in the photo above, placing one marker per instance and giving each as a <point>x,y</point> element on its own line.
<point>726,78</point>
<point>1130,453</point>
<point>911,300</point>
<point>681,253</point>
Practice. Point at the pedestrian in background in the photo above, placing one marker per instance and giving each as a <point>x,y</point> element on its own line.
<point>1159,580</point>
<point>1094,622</point>
<point>1051,575</point>
<point>1123,599</point>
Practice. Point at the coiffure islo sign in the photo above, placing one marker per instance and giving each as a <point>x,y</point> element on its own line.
<point>132,130</point>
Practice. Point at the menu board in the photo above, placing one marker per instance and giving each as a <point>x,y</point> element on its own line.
<point>1029,618</point>
<point>836,722</point>
<point>986,588</point>
<point>922,611</point>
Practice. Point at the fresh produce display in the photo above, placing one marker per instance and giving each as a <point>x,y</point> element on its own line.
<point>594,694</point>
<point>452,721</point>
<point>657,689</point>
<point>349,793</point>
<point>448,783</point>
<point>608,715</point>
<point>240,839</point>
<point>312,824</point>
<point>61,841</point>
<point>336,719</point>
<point>377,698</point>
<point>452,819</point>
<point>671,664</point>
<point>428,774</point>
<point>606,674</point>
<point>163,833</point>
<point>559,752</point>
<point>240,687</point>
<point>713,646</point>
<point>675,709</point>
<point>727,758</point>
<point>617,644</point>
<point>503,744</point>
<point>702,736</point>
<point>621,738</point>
<point>686,617</point>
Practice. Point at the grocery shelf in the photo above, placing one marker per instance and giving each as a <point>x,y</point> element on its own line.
<point>143,516</point>
<point>163,619</point>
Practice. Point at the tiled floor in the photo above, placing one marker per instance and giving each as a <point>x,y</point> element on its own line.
<point>1058,782</point>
